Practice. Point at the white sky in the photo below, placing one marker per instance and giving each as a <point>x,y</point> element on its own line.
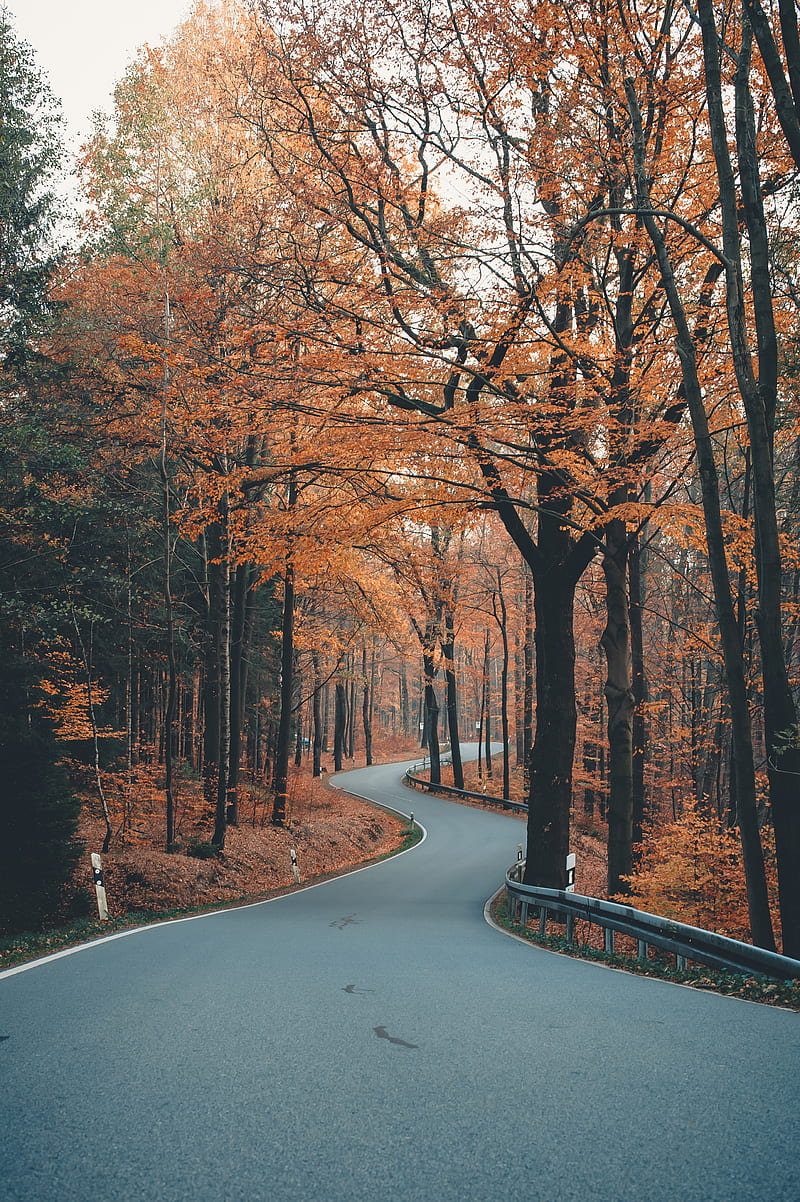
<point>85,45</point>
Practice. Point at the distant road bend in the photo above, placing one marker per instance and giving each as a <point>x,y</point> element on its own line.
<point>372,1038</point>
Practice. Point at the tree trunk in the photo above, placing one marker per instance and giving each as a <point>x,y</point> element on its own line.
<point>636,579</point>
<point>339,725</point>
<point>616,643</point>
<point>448,654</point>
<point>527,712</point>
<point>280,782</point>
<point>499,604</point>
<point>405,709</point>
<point>556,719</point>
<point>241,626</point>
<point>316,745</point>
<point>172,665</point>
<point>351,717</point>
<point>211,679</point>
<point>432,722</point>
<point>224,660</point>
<point>487,707</point>
<point>366,718</point>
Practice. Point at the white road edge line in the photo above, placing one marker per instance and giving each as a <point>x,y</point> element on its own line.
<point>169,922</point>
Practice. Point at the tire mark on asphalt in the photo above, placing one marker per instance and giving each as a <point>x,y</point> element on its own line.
<point>341,923</point>
<point>382,1033</point>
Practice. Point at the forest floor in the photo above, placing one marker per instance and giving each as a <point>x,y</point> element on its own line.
<point>328,831</point>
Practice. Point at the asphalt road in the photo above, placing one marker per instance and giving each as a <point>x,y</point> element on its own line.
<point>373,1038</point>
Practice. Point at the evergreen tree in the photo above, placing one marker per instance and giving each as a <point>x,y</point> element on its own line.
<point>37,810</point>
<point>30,153</point>
<point>38,813</point>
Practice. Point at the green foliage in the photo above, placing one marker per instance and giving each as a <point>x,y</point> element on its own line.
<point>30,153</point>
<point>202,850</point>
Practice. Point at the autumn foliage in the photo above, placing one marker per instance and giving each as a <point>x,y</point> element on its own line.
<point>428,372</point>
<point>690,869</point>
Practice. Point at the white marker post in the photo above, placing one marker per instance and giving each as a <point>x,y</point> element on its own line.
<point>295,869</point>
<point>571,860</point>
<point>100,889</point>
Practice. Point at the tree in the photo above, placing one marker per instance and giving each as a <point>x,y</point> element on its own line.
<point>505,295</point>
<point>38,818</point>
<point>38,812</point>
<point>30,154</point>
<point>756,363</point>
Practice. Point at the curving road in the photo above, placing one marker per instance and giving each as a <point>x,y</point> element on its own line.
<point>373,1038</point>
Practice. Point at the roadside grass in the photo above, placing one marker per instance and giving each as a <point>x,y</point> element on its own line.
<point>751,987</point>
<point>31,945</point>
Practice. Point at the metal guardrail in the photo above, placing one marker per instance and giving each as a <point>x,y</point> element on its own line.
<point>685,942</point>
<point>451,791</point>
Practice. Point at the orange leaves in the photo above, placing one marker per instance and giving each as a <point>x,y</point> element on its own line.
<point>691,870</point>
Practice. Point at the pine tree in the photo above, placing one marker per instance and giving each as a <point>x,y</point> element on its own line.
<point>37,811</point>
<point>30,152</point>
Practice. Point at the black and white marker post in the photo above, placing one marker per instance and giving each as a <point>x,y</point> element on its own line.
<point>295,869</point>
<point>100,889</point>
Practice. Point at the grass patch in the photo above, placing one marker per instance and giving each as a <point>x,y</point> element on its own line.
<point>411,837</point>
<point>751,987</point>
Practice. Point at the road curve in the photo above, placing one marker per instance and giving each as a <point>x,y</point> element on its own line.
<point>372,1038</point>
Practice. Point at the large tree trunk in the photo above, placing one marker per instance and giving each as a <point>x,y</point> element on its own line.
<point>448,654</point>
<point>616,643</point>
<point>527,704</point>
<point>431,719</point>
<point>556,718</point>
<point>557,561</point>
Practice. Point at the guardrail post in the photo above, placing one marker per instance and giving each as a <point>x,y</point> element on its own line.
<point>570,928</point>
<point>680,963</point>
<point>523,914</point>
<point>542,920</point>
<point>608,939</point>
<point>643,949</point>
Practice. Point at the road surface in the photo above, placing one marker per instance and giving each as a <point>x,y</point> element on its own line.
<point>372,1038</point>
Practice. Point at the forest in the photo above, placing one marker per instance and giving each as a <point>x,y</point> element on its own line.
<point>422,371</point>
